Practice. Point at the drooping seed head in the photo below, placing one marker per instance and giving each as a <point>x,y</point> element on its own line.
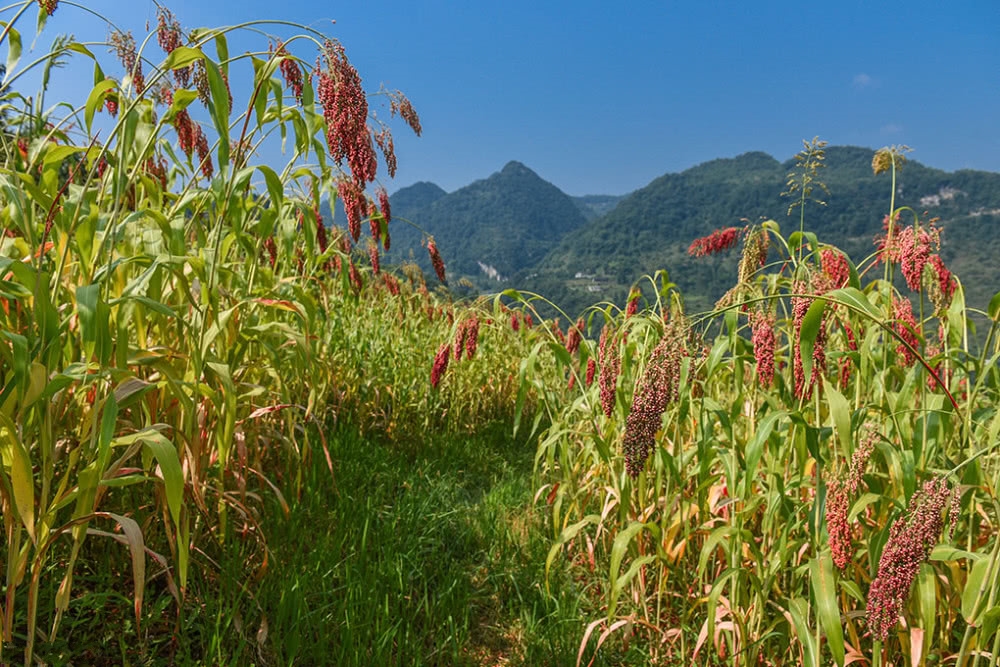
<point>911,538</point>
<point>610,361</point>
<point>436,260</point>
<point>762,325</point>
<point>440,364</point>
<point>716,242</point>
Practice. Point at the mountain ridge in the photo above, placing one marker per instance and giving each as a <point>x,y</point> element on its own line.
<point>514,229</point>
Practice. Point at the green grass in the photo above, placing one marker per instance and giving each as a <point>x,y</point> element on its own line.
<point>423,551</point>
<point>427,554</point>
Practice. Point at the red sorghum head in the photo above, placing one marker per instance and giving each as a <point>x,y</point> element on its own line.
<point>657,387</point>
<point>515,323</point>
<point>557,331</point>
<point>204,157</point>
<point>111,104</point>
<point>440,364</point>
<point>459,345</point>
<point>915,249</point>
<point>383,204</point>
<point>401,105</point>
<point>124,46</point>
<point>355,276</point>
<point>887,248</point>
<point>835,267</point>
<point>345,108</point>
<point>800,306</point>
<point>391,283</point>
<point>633,305</point>
<point>911,538</point>
<point>290,71</point>
<point>471,337</point>
<point>187,132</point>
<point>436,260</point>
<point>353,198</point>
<point>168,35</point>
<point>839,492</point>
<point>272,250</point>
<point>383,138</point>
<point>716,242</point>
<point>837,506</point>
<point>845,360</point>
<point>574,336</point>
<point>610,367</point>
<point>762,325</point>
<point>943,284</point>
<point>591,370</point>
<point>48,6</point>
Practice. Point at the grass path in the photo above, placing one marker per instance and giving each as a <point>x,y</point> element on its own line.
<point>426,553</point>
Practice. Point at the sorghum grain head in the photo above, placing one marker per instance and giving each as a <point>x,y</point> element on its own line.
<point>610,367</point>
<point>762,325</point>
<point>716,242</point>
<point>204,157</point>
<point>383,204</point>
<point>911,538</point>
<point>440,364</point>
<point>657,387</point>
<point>471,337</point>
<point>436,260</point>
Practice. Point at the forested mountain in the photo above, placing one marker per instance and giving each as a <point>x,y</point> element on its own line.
<point>488,230</point>
<point>513,229</point>
<point>652,228</point>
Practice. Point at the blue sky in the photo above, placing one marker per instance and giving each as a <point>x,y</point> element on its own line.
<point>603,97</point>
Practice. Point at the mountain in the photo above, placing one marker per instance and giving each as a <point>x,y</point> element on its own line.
<point>594,206</point>
<point>486,231</point>
<point>407,201</point>
<point>652,228</point>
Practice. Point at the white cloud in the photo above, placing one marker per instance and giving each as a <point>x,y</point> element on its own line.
<point>862,80</point>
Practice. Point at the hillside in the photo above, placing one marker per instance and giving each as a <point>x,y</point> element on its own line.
<point>652,228</point>
<point>489,230</point>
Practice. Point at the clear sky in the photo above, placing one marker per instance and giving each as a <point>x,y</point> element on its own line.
<point>603,97</point>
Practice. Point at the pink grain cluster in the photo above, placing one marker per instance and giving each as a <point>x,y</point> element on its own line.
<point>911,538</point>
<point>440,364</point>
<point>835,267</point>
<point>905,324</point>
<point>436,260</point>
<point>839,493</point>
<point>716,242</point>
<point>345,108</point>
<point>574,336</point>
<point>610,363</point>
<point>762,325</point>
<point>290,71</point>
<point>353,198</point>
<point>124,46</point>
<point>800,306</point>
<point>914,250</point>
<point>657,387</point>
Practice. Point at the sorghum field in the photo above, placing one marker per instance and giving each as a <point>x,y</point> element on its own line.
<point>229,436</point>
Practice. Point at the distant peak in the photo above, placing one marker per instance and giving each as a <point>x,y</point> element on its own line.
<point>515,167</point>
